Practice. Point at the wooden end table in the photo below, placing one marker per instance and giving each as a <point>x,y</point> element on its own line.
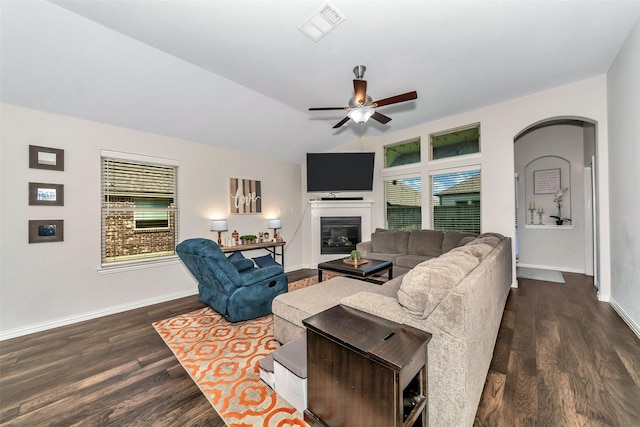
<point>363,370</point>
<point>362,271</point>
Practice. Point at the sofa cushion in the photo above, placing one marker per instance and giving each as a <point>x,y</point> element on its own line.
<point>427,284</point>
<point>389,241</point>
<point>453,239</point>
<point>479,250</point>
<point>302,303</point>
<point>385,256</point>
<point>410,261</point>
<point>425,242</point>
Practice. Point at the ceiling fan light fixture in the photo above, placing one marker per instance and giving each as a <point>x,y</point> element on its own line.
<point>361,114</point>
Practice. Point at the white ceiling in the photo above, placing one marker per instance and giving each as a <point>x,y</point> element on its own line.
<point>240,74</point>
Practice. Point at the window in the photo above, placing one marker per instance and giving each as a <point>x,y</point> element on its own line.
<point>403,153</point>
<point>456,142</point>
<point>455,201</point>
<point>403,203</point>
<point>139,210</point>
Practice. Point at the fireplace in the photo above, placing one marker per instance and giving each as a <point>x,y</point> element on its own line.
<point>340,234</point>
<point>319,209</point>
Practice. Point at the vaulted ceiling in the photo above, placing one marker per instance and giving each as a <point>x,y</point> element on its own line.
<point>240,74</point>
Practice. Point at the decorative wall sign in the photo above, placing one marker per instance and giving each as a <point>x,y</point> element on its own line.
<point>546,181</point>
<point>46,158</point>
<point>46,194</point>
<point>246,196</point>
<point>46,230</point>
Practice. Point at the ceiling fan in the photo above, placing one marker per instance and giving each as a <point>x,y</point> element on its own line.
<point>361,107</point>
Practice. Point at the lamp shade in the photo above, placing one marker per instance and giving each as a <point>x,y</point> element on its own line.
<point>219,225</point>
<point>361,114</point>
<point>275,224</point>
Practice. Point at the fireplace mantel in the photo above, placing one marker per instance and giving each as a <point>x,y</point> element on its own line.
<point>329,208</point>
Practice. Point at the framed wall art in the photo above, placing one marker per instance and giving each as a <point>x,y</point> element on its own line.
<point>546,181</point>
<point>46,230</point>
<point>46,194</point>
<point>246,196</point>
<point>46,158</point>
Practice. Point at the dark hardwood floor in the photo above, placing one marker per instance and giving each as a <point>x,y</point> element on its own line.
<point>562,358</point>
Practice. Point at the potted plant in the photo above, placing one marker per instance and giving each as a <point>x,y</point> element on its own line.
<point>355,256</point>
<point>559,196</point>
<point>248,239</point>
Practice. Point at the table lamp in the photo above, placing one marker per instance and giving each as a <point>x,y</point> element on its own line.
<point>275,224</point>
<point>219,225</point>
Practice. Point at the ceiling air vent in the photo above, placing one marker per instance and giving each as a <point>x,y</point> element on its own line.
<point>322,22</point>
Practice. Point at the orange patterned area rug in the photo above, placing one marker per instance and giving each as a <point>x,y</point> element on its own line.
<point>222,358</point>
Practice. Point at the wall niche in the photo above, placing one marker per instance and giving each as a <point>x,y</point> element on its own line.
<point>548,191</point>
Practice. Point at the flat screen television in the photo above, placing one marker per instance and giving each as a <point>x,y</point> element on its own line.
<point>334,172</point>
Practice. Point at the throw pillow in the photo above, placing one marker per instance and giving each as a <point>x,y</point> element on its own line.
<point>452,239</point>
<point>235,255</point>
<point>479,250</point>
<point>487,239</point>
<point>466,240</point>
<point>242,264</point>
<point>427,284</point>
<point>265,261</point>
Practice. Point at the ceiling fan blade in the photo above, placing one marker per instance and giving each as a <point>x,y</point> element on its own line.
<point>341,122</point>
<point>381,118</point>
<point>395,99</point>
<point>360,91</point>
<point>328,108</point>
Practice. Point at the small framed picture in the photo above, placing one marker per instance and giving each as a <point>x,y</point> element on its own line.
<point>46,158</point>
<point>46,230</point>
<point>546,181</point>
<point>46,194</point>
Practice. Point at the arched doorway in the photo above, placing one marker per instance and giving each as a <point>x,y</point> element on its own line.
<point>550,156</point>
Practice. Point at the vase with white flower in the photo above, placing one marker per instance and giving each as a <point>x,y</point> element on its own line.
<point>558,198</point>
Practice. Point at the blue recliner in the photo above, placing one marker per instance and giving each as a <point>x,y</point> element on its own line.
<point>236,289</point>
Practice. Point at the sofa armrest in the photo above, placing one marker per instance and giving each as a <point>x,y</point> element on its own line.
<point>364,248</point>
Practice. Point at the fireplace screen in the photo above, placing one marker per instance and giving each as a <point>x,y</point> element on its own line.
<point>339,234</point>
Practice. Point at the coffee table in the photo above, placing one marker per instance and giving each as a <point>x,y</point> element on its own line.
<point>362,271</point>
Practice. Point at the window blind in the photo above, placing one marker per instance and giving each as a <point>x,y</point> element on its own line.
<point>403,201</point>
<point>139,210</point>
<point>455,201</point>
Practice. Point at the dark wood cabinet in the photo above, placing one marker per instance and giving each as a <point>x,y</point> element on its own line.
<point>363,370</point>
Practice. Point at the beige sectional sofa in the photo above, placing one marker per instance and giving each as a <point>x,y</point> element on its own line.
<point>406,249</point>
<point>458,297</point>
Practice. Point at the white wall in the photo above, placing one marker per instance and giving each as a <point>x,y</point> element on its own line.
<point>500,124</point>
<point>49,284</point>
<point>551,247</point>
<point>624,145</point>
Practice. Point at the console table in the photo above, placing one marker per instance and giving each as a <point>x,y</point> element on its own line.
<point>363,370</point>
<point>271,247</point>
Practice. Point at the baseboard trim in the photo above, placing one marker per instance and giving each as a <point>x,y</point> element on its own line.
<point>39,327</point>
<point>625,317</point>
<point>554,268</point>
